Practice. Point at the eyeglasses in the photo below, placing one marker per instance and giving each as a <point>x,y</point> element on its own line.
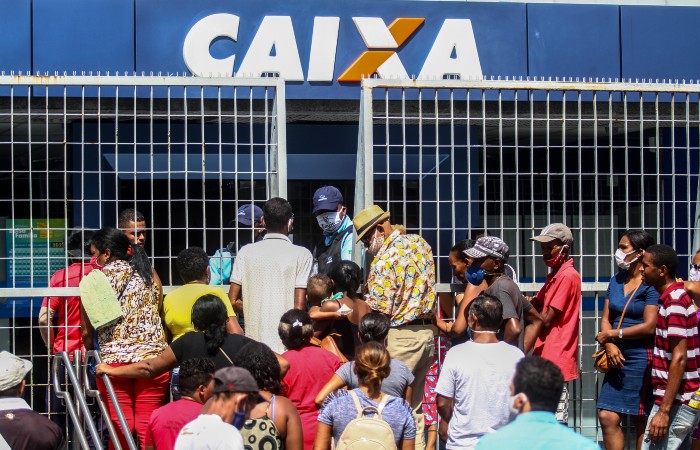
<point>695,266</point>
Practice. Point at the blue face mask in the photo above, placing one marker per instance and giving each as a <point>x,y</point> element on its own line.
<point>475,275</point>
<point>238,419</point>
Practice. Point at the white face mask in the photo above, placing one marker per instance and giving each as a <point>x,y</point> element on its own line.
<point>329,221</point>
<point>694,275</point>
<point>376,244</point>
<point>620,259</point>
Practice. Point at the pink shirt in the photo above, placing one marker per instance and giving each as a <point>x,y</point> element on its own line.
<point>310,368</point>
<point>559,342</point>
<point>167,421</point>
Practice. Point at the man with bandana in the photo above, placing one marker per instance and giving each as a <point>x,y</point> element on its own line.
<point>401,285</point>
<point>559,302</point>
<point>332,217</point>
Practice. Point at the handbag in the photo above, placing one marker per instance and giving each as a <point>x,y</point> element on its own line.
<point>329,344</point>
<point>601,363</point>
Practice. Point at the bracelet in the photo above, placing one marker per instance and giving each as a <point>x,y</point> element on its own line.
<point>619,334</point>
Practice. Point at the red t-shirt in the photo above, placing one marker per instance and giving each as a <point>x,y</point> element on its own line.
<point>167,421</point>
<point>559,342</point>
<point>68,337</point>
<point>310,368</point>
<point>676,318</point>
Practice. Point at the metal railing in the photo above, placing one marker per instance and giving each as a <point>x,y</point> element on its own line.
<point>94,356</point>
<point>76,150</point>
<point>453,159</point>
<point>62,359</point>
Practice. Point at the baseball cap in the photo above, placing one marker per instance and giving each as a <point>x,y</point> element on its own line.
<point>488,246</point>
<point>12,370</point>
<point>234,379</point>
<point>555,231</point>
<point>327,198</point>
<point>249,214</point>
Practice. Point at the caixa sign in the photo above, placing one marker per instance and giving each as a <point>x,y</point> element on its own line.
<point>453,50</point>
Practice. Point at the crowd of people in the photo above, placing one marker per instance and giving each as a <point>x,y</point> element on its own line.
<point>303,353</point>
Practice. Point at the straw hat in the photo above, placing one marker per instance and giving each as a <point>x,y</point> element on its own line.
<point>366,219</point>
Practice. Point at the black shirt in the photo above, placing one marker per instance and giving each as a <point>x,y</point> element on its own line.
<point>192,345</point>
<point>27,429</point>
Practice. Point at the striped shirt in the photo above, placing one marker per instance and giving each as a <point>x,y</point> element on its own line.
<point>676,318</point>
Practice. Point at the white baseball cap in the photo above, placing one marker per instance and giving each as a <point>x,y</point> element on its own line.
<point>12,370</point>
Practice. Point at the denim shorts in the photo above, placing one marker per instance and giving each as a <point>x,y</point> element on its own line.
<point>682,421</point>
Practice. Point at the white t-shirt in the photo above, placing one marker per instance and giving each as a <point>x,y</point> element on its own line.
<point>268,271</point>
<point>208,431</point>
<point>478,377</point>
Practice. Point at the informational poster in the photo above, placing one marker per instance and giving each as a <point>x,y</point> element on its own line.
<point>34,250</point>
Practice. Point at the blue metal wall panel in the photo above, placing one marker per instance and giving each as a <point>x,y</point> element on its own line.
<point>660,42</point>
<point>79,35</point>
<point>573,40</point>
<point>15,35</point>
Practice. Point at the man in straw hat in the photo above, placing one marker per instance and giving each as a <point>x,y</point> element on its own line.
<point>401,285</point>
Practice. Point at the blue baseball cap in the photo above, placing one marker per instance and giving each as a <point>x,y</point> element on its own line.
<point>249,214</point>
<point>327,198</point>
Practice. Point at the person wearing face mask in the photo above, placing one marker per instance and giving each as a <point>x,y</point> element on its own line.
<point>559,302</point>
<point>269,277</point>
<point>472,390</point>
<point>628,345</point>
<point>336,225</point>
<point>401,285</point>
<point>521,322</point>
<point>235,395</point>
<point>535,390</point>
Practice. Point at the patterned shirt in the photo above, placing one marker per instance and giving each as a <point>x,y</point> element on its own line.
<point>676,318</point>
<point>139,333</point>
<point>401,281</point>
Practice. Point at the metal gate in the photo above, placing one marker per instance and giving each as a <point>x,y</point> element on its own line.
<point>77,150</point>
<point>451,159</point>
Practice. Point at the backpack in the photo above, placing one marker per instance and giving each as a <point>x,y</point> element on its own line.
<point>367,433</point>
<point>220,266</point>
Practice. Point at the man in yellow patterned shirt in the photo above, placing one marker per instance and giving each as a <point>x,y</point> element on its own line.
<point>401,285</point>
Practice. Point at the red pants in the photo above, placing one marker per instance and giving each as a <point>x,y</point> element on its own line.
<point>138,398</point>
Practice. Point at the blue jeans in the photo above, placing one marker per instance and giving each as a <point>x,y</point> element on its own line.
<point>682,420</point>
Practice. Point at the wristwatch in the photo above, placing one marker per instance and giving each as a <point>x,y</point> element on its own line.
<point>619,334</point>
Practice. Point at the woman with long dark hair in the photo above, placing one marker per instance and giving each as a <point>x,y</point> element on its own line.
<point>209,341</point>
<point>626,389</point>
<point>274,423</point>
<point>136,336</point>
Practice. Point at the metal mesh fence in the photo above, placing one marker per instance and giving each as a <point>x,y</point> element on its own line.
<point>75,151</point>
<point>454,159</point>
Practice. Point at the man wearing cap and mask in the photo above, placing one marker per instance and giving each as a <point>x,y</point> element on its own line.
<point>559,302</point>
<point>401,285</point>
<point>20,426</point>
<point>250,229</point>
<point>235,395</point>
<point>521,323</point>
<point>332,217</point>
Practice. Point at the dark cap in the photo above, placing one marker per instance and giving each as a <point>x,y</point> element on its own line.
<point>488,246</point>
<point>327,198</point>
<point>234,379</point>
<point>249,214</point>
